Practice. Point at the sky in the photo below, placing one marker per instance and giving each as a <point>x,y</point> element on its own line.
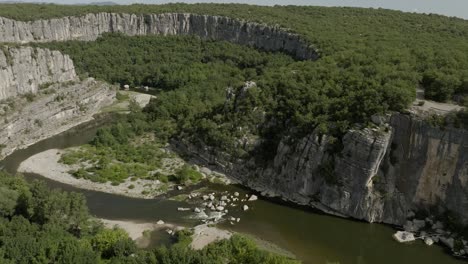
<point>457,8</point>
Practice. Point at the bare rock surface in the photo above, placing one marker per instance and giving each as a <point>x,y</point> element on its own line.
<point>91,26</point>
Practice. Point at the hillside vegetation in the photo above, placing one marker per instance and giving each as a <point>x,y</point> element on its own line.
<point>431,49</point>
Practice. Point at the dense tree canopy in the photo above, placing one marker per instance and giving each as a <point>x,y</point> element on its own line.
<point>196,78</point>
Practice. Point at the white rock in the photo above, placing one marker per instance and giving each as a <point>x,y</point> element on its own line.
<point>238,220</point>
<point>245,207</point>
<point>223,198</point>
<point>428,241</point>
<point>222,203</point>
<point>236,194</point>
<point>211,197</point>
<point>226,211</point>
<point>169,231</point>
<point>253,198</point>
<point>160,222</point>
<point>205,197</point>
<point>197,210</point>
<point>404,236</point>
<point>183,209</point>
<point>179,188</point>
<point>220,208</point>
<point>232,218</point>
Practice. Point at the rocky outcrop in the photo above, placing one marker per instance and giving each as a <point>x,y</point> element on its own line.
<point>24,70</point>
<point>54,98</point>
<point>381,174</point>
<point>49,114</point>
<point>90,26</point>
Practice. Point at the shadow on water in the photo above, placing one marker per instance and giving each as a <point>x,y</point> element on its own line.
<point>312,237</point>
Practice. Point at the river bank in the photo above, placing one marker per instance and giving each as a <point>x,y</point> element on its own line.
<point>47,164</point>
<point>203,235</point>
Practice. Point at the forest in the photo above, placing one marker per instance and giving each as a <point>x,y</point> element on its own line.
<point>431,49</point>
<point>39,225</point>
<point>194,77</point>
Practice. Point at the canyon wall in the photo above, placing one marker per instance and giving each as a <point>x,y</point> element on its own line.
<point>54,99</point>
<point>90,26</point>
<point>384,174</point>
<point>24,70</point>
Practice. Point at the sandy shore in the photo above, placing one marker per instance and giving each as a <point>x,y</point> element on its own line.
<point>47,164</point>
<point>202,234</point>
<point>136,230</point>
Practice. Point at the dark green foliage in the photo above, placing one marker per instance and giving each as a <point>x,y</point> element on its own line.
<point>187,173</point>
<point>193,76</point>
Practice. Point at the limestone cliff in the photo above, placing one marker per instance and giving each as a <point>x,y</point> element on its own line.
<point>381,174</point>
<point>51,113</point>
<point>55,99</point>
<point>90,26</point>
<point>24,70</point>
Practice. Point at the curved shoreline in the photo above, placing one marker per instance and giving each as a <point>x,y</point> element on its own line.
<point>47,164</point>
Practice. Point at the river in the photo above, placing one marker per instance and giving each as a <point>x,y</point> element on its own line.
<point>311,236</point>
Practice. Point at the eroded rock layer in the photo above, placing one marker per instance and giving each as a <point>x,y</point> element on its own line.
<point>49,114</point>
<point>24,70</point>
<point>90,26</point>
<point>41,96</point>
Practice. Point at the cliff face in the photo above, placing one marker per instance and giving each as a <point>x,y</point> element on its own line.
<point>61,104</point>
<point>90,26</point>
<point>381,175</point>
<point>23,70</point>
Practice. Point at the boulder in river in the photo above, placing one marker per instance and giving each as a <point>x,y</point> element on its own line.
<point>253,198</point>
<point>404,236</point>
<point>220,208</point>
<point>197,210</point>
<point>183,209</point>
<point>236,194</point>
<point>245,207</point>
<point>160,222</point>
<point>428,241</point>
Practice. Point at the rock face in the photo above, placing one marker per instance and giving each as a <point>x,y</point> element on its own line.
<point>58,100</point>
<point>23,70</point>
<point>90,26</point>
<point>50,115</point>
<point>380,175</point>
